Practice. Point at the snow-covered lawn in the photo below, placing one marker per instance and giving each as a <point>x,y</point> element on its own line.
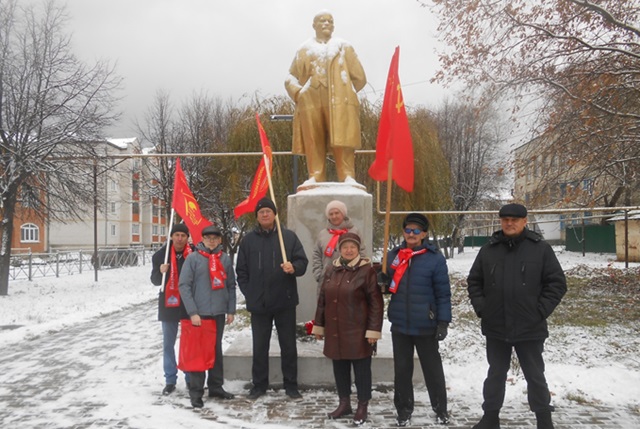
<point>597,365</point>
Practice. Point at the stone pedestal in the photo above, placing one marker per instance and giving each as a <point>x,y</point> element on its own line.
<point>305,216</point>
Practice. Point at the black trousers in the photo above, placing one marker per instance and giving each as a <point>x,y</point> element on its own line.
<point>261,326</point>
<point>431,364</point>
<point>362,377</point>
<point>215,375</point>
<point>530,358</point>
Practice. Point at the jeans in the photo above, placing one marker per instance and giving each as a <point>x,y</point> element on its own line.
<point>169,363</point>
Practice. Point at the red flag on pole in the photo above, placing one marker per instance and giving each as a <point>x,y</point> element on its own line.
<point>185,204</point>
<point>260,184</point>
<point>394,137</point>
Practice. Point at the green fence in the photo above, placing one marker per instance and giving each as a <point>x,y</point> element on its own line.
<point>598,238</point>
<point>475,241</point>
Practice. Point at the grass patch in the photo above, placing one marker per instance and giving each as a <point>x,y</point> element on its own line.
<point>606,297</point>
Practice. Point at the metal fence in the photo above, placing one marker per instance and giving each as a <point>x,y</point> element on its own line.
<point>62,263</point>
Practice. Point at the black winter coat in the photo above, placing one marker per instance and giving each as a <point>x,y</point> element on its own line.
<point>265,286</point>
<point>514,286</point>
<point>166,314</point>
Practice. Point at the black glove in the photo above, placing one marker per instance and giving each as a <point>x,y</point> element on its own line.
<point>442,330</point>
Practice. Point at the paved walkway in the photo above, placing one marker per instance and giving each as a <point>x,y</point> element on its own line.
<point>104,373</point>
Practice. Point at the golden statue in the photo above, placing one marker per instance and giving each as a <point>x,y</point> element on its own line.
<point>323,80</point>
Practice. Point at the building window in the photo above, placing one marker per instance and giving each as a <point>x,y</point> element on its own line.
<point>163,230</point>
<point>135,228</point>
<point>154,230</point>
<point>135,208</point>
<point>29,233</point>
<point>113,185</point>
<point>113,230</point>
<point>113,207</point>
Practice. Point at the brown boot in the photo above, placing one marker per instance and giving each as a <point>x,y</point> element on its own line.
<point>361,413</point>
<point>344,409</point>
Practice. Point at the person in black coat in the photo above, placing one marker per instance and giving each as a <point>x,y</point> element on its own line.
<point>514,285</point>
<point>270,289</point>
<point>170,306</point>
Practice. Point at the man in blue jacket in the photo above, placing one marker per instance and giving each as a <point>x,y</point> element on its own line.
<point>270,289</point>
<point>514,285</point>
<point>420,313</point>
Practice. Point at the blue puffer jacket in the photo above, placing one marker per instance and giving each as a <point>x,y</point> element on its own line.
<point>423,297</point>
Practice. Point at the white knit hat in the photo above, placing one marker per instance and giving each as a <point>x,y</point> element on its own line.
<point>335,204</point>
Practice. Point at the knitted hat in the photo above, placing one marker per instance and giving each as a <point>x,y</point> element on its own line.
<point>418,219</point>
<point>513,210</point>
<point>349,236</point>
<point>179,227</point>
<point>212,230</point>
<point>265,202</point>
<point>335,204</point>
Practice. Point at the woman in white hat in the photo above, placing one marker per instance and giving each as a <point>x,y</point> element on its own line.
<point>326,249</point>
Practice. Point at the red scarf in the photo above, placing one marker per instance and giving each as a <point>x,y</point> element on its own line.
<point>216,269</point>
<point>400,264</point>
<point>331,247</point>
<point>171,291</point>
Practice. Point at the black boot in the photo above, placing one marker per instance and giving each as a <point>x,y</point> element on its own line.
<point>544,420</point>
<point>361,413</point>
<point>344,409</point>
<point>490,420</point>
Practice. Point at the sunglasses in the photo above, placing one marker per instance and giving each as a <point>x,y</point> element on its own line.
<point>416,231</point>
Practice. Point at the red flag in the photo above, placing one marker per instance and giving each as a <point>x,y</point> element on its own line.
<point>260,183</point>
<point>394,137</point>
<point>185,204</point>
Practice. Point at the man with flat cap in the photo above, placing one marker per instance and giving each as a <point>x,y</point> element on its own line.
<point>514,285</point>
<point>420,313</point>
<point>270,289</point>
<point>208,288</point>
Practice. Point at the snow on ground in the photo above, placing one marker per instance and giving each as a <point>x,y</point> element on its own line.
<point>597,365</point>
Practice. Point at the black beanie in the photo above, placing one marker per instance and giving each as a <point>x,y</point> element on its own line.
<point>180,227</point>
<point>417,218</point>
<point>265,202</point>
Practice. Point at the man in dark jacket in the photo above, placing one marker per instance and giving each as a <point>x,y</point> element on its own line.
<point>419,312</point>
<point>270,289</point>
<point>514,285</point>
<point>170,306</point>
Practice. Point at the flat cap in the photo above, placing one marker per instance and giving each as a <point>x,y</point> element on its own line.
<point>212,230</point>
<point>513,210</point>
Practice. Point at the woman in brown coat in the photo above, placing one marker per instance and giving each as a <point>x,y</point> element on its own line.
<point>349,319</point>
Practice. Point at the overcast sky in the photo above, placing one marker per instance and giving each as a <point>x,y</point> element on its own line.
<point>233,48</point>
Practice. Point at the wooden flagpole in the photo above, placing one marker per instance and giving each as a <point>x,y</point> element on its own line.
<point>387,217</point>
<point>166,253</point>
<point>268,171</point>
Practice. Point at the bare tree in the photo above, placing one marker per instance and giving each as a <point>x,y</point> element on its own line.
<point>51,107</point>
<point>158,130</point>
<point>471,138</point>
<point>580,61</point>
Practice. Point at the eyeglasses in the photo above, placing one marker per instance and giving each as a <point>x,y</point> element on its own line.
<point>210,237</point>
<point>416,231</point>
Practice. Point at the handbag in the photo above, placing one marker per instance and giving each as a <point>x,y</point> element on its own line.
<point>197,346</point>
